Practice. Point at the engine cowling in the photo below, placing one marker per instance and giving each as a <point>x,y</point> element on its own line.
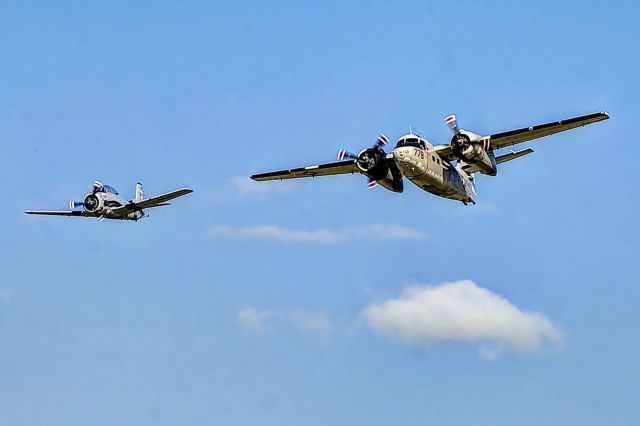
<point>371,162</point>
<point>469,148</point>
<point>93,204</point>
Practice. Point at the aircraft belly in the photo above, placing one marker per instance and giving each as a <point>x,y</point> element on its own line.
<point>437,184</point>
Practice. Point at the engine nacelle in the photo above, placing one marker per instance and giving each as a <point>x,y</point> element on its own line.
<point>92,203</point>
<point>469,148</point>
<point>372,163</point>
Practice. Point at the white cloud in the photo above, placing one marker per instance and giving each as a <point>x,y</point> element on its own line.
<point>321,236</point>
<point>258,320</point>
<point>461,312</point>
<point>252,319</point>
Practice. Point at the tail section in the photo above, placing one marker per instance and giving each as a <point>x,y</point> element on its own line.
<point>139,194</point>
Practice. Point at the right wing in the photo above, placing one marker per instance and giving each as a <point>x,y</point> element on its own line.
<point>60,213</point>
<point>157,201</point>
<point>327,169</point>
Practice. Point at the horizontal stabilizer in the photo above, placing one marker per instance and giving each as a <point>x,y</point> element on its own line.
<point>513,155</point>
<point>472,168</point>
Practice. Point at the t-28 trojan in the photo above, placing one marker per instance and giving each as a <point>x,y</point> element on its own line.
<point>432,168</point>
<point>104,202</point>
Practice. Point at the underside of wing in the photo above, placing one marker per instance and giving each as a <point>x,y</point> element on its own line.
<point>327,169</point>
<point>59,213</point>
<point>512,137</point>
<point>157,201</point>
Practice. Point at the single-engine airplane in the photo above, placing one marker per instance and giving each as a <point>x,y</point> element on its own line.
<point>432,168</point>
<point>104,202</point>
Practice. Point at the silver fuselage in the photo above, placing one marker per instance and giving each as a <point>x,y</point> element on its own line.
<point>104,204</point>
<point>419,163</point>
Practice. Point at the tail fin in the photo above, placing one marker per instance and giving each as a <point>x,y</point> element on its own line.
<point>139,195</point>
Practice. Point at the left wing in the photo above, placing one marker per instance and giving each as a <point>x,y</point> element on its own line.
<point>513,137</point>
<point>60,213</point>
<point>157,201</point>
<point>327,169</point>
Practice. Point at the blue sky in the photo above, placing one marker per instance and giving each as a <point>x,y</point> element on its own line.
<point>251,303</point>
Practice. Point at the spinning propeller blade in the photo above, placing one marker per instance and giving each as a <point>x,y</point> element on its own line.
<point>452,122</point>
<point>74,204</point>
<point>342,154</point>
<point>368,157</point>
<point>382,141</point>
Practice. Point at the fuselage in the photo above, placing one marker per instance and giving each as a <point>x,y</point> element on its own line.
<point>103,200</point>
<point>418,162</point>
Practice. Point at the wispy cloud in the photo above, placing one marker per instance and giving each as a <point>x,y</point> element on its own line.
<point>259,320</point>
<point>463,312</point>
<point>319,236</point>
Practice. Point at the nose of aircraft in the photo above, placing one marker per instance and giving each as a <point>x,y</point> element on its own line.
<point>409,161</point>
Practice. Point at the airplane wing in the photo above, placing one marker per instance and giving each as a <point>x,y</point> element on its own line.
<point>157,201</point>
<point>513,137</point>
<point>60,213</point>
<point>327,169</point>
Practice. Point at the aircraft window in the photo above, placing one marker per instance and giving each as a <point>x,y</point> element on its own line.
<point>108,188</point>
<point>112,203</point>
<point>411,142</point>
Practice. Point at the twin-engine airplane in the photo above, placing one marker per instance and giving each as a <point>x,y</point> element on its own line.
<point>104,202</point>
<point>431,167</point>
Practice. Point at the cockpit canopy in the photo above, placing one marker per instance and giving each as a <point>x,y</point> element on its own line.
<point>107,188</point>
<point>412,140</point>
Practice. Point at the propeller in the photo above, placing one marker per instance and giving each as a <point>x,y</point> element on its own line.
<point>368,158</point>
<point>342,154</point>
<point>382,141</point>
<point>74,204</point>
<point>452,122</point>
<point>97,185</point>
<point>462,139</point>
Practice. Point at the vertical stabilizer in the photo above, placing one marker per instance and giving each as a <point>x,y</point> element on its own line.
<point>139,195</point>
